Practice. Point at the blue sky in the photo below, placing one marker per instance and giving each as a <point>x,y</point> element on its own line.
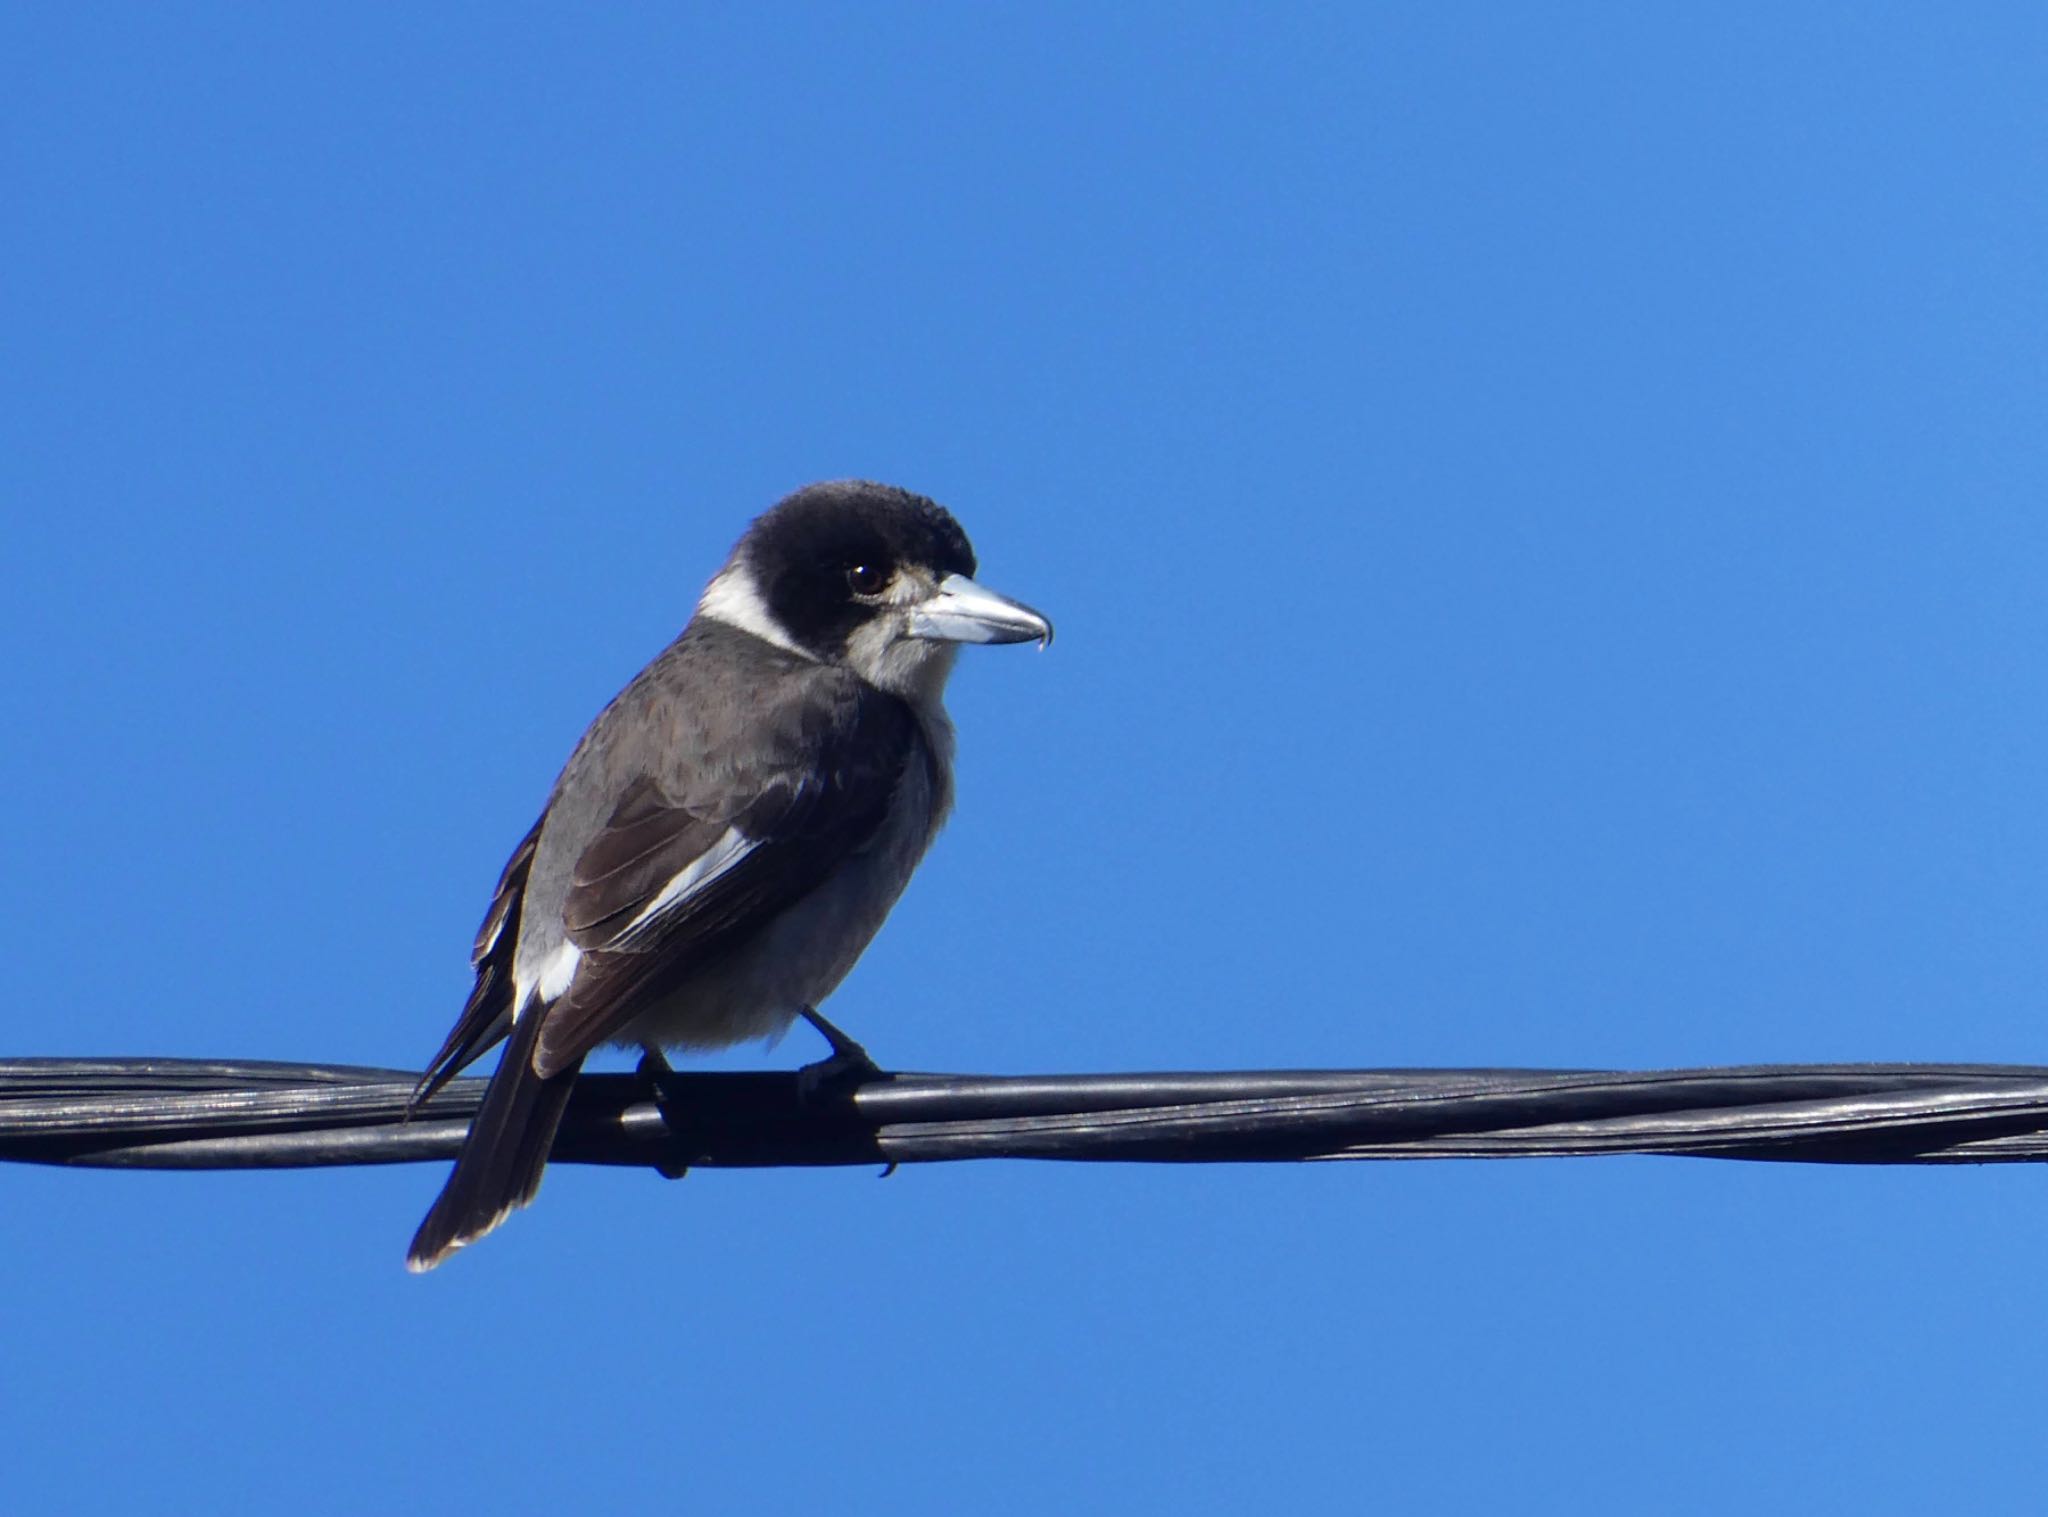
<point>1544,509</point>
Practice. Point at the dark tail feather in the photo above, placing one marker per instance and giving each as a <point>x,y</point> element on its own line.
<point>487,1016</point>
<point>499,1168</point>
<point>486,1019</point>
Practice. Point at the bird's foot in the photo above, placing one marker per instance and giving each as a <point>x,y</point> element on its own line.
<point>848,1067</point>
<point>655,1074</point>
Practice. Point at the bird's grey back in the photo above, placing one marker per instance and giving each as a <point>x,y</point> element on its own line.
<point>715,720</point>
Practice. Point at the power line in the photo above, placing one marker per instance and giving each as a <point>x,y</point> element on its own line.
<point>201,1114</point>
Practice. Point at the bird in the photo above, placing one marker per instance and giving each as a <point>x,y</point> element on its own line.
<point>730,832</point>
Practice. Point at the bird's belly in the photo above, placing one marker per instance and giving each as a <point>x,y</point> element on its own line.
<point>799,957</point>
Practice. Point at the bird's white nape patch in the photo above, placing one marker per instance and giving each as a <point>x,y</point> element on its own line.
<point>732,846</point>
<point>734,598</point>
<point>556,971</point>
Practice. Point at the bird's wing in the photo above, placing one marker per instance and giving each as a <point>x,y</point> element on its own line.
<point>667,883</point>
<point>487,1016</point>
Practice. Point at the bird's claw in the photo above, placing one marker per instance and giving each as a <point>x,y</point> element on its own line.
<point>849,1066</point>
<point>654,1073</point>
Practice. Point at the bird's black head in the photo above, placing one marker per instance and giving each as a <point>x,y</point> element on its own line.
<point>828,555</point>
<point>867,576</point>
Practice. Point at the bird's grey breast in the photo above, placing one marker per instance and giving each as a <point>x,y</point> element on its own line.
<point>801,955</point>
<point>798,957</point>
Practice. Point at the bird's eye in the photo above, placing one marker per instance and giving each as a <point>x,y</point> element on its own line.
<point>866,579</point>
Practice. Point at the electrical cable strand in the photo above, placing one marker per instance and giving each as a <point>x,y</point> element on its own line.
<point>241,1114</point>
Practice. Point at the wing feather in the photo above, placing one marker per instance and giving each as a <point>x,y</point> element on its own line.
<point>666,885</point>
<point>487,1015</point>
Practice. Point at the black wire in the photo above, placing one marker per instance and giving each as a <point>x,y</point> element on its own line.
<point>196,1114</point>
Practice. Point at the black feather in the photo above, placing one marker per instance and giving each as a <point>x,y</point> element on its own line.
<point>487,1015</point>
<point>500,1165</point>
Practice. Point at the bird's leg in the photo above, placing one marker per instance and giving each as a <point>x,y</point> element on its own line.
<point>843,1047</point>
<point>654,1073</point>
<point>848,1066</point>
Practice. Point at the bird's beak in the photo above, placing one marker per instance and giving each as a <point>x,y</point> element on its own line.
<point>964,612</point>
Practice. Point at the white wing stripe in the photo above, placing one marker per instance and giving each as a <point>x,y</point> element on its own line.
<point>732,846</point>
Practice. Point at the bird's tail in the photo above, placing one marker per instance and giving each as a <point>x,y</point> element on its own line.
<point>499,1168</point>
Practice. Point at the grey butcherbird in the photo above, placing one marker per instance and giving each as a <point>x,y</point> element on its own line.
<point>731,831</point>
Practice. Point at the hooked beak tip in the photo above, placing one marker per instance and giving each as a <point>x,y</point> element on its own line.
<point>965,612</point>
